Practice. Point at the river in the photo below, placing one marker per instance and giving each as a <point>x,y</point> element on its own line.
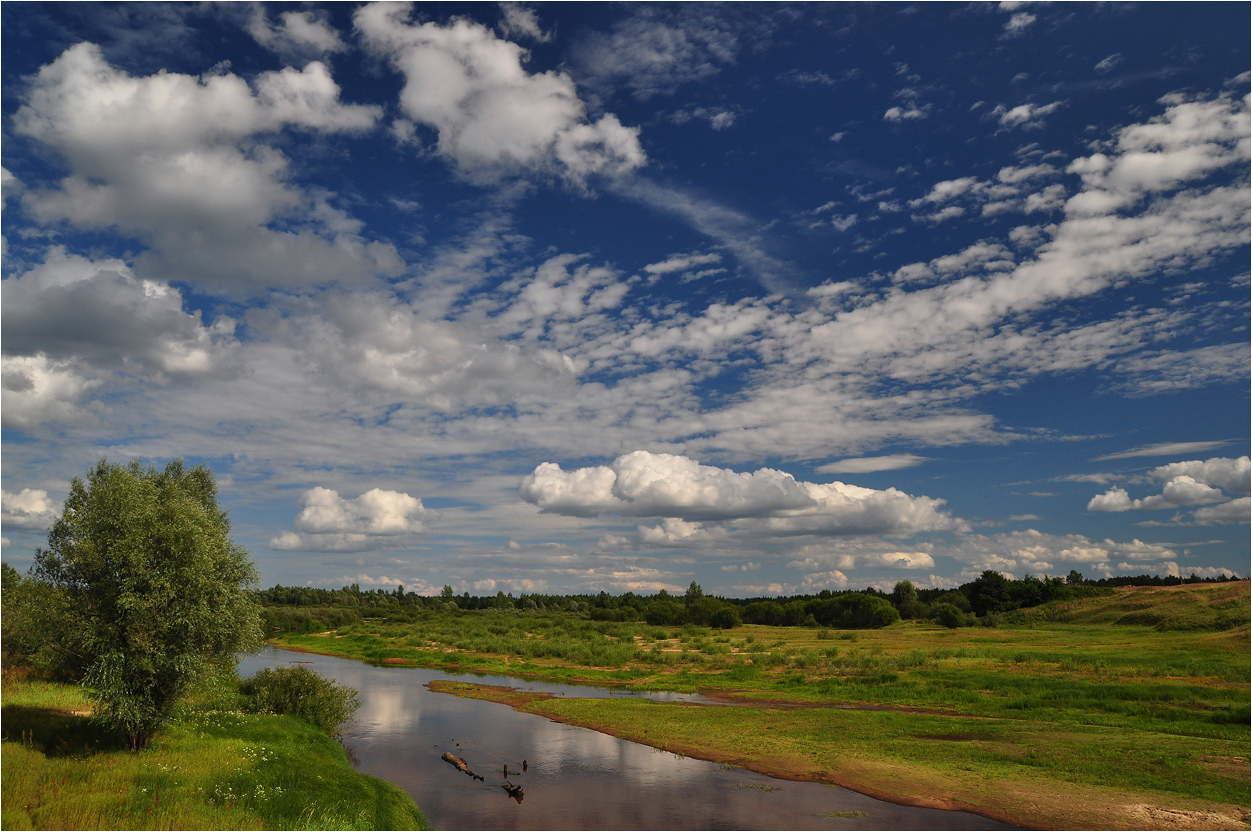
<point>574,778</point>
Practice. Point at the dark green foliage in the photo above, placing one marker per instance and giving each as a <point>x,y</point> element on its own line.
<point>665,614</point>
<point>724,619</point>
<point>990,593</point>
<point>300,692</point>
<point>854,611</point>
<point>146,593</point>
<point>950,616</point>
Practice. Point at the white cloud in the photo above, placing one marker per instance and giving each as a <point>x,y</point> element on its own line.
<point>1231,474</point>
<point>492,116</point>
<point>521,21</point>
<point>329,522</point>
<point>1035,552</point>
<point>656,50</point>
<point>29,508</point>
<point>1025,116</point>
<point>681,263</point>
<point>767,501</point>
<point>174,159</point>
<point>1109,63</point>
<point>868,464</point>
<point>70,307</point>
<point>38,390</point>
<point>299,33</point>
<point>1179,491</point>
<point>1235,511</point>
<point>909,112</point>
<point>1190,483</point>
<point>1164,449</point>
<point>1018,23</point>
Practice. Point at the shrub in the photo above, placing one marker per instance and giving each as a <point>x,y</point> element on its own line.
<point>300,692</point>
<point>724,619</point>
<point>950,616</point>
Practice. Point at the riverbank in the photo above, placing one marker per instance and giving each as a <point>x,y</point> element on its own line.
<point>208,769</point>
<point>1051,724</point>
<point>995,768</point>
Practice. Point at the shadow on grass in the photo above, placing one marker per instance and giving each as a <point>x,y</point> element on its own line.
<point>57,733</point>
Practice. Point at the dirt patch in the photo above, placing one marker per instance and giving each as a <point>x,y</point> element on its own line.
<point>1232,767</point>
<point>1158,817</point>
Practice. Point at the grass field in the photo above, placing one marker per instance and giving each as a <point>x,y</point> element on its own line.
<point>210,769</point>
<point>1124,711</point>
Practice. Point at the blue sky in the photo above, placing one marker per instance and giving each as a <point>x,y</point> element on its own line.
<point>582,297</point>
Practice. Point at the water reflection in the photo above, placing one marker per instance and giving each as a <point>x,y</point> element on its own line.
<point>568,777</point>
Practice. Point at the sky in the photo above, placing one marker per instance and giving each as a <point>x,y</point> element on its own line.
<point>613,297</point>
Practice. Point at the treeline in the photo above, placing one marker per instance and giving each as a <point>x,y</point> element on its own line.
<point>981,601</point>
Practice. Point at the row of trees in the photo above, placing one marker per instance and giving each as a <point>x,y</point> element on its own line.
<point>980,600</point>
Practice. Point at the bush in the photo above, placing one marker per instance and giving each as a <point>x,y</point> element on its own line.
<point>300,692</point>
<point>950,616</point>
<point>724,619</point>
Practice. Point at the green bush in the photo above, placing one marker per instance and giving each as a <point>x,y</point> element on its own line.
<point>300,692</point>
<point>725,619</point>
<point>950,616</point>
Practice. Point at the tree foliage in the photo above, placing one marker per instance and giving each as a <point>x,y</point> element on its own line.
<point>151,594</point>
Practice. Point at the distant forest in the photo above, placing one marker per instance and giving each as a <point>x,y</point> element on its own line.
<point>986,601</point>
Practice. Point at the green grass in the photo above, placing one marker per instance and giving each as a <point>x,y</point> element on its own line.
<point>209,769</point>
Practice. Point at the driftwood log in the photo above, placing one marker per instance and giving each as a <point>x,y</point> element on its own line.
<point>459,764</point>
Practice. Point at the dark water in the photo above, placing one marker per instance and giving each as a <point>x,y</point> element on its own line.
<point>575,778</point>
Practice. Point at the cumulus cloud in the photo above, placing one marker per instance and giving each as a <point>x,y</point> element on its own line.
<point>38,390</point>
<point>29,508</point>
<point>766,501</point>
<point>1231,474</point>
<point>174,160</point>
<point>100,313</point>
<point>1190,483</point>
<point>1035,552</point>
<point>329,522</point>
<point>298,33</point>
<point>1235,511</point>
<point>491,115</point>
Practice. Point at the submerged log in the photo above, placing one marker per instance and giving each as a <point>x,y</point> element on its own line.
<point>453,760</point>
<point>514,792</point>
<point>449,757</point>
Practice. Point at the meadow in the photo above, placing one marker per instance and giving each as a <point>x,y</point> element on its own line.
<point>212,767</point>
<point>1127,710</point>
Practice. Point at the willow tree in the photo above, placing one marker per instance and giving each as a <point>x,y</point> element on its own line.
<point>152,593</point>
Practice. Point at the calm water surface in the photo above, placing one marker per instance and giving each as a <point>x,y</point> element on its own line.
<point>575,778</point>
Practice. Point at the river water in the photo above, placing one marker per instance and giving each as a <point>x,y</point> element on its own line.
<point>574,778</point>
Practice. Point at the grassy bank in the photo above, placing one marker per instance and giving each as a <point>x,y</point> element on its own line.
<point>210,769</point>
<point>1125,711</point>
